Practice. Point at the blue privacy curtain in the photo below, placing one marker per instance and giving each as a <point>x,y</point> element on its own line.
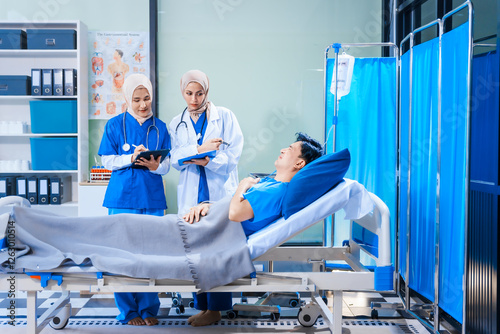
<point>484,102</point>
<point>403,163</point>
<point>367,127</point>
<point>453,170</point>
<point>423,167</point>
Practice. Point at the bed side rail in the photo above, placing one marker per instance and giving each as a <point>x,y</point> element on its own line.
<point>372,235</point>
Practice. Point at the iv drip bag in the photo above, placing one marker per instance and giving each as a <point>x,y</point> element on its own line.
<point>346,66</point>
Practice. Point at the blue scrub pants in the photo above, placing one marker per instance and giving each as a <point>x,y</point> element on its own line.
<point>213,301</point>
<point>136,304</point>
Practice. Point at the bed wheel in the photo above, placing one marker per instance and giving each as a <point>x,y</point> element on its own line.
<point>180,309</point>
<point>275,316</point>
<point>294,302</point>
<point>61,319</point>
<point>59,324</point>
<point>191,304</point>
<point>175,301</point>
<point>307,315</point>
<point>232,314</point>
<point>374,314</point>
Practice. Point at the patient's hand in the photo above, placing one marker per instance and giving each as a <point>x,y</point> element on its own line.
<point>196,213</point>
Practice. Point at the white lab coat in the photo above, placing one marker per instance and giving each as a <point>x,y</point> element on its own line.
<point>221,171</point>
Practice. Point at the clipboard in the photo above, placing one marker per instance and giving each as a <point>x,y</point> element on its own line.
<point>146,155</point>
<point>210,154</point>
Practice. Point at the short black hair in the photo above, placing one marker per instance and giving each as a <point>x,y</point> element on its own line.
<point>311,148</point>
<point>120,52</point>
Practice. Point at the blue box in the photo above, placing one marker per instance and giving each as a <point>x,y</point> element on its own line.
<point>56,39</point>
<point>12,39</point>
<point>54,153</point>
<point>53,116</point>
<point>15,85</point>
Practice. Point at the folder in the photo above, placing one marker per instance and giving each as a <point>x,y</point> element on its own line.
<point>210,154</point>
<point>6,186</point>
<point>47,81</point>
<point>32,190</point>
<point>58,87</point>
<point>36,81</point>
<point>43,190</point>
<point>69,81</point>
<point>21,187</point>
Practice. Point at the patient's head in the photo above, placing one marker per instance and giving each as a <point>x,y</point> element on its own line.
<point>311,148</point>
<point>297,155</point>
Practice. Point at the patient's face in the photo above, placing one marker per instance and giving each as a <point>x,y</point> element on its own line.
<point>289,156</point>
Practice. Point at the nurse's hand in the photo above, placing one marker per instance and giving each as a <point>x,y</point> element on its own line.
<point>150,164</point>
<point>138,150</point>
<point>200,162</point>
<point>195,213</point>
<point>210,145</point>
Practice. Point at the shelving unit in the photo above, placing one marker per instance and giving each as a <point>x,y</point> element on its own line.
<point>16,108</point>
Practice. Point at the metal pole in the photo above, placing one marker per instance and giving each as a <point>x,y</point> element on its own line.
<point>438,184</point>
<point>336,47</point>
<point>325,240</point>
<point>408,224</point>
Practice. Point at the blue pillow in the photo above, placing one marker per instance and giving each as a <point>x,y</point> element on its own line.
<point>314,180</point>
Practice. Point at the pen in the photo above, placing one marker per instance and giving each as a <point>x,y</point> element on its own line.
<point>225,143</point>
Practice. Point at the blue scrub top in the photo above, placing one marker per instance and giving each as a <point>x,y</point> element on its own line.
<point>134,188</point>
<point>199,127</point>
<point>266,200</point>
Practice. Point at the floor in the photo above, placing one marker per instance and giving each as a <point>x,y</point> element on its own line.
<point>95,314</point>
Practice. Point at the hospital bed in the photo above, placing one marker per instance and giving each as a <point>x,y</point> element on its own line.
<point>370,234</point>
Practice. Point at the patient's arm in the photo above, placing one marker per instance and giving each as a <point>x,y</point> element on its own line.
<point>197,212</point>
<point>239,208</point>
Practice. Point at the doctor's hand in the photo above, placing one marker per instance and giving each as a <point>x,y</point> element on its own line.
<point>138,150</point>
<point>151,164</point>
<point>210,145</point>
<point>195,213</point>
<point>200,162</point>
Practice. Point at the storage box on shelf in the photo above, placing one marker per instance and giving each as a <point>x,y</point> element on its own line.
<point>15,85</point>
<point>12,39</point>
<point>53,142</point>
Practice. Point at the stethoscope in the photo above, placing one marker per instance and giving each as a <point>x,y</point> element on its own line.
<point>198,135</point>
<point>126,146</point>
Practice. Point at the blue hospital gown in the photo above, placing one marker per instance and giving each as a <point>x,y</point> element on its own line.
<point>266,200</point>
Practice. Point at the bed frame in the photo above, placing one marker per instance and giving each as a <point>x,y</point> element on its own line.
<point>370,234</point>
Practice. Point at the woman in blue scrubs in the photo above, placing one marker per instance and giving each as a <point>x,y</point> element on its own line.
<point>200,128</point>
<point>135,188</point>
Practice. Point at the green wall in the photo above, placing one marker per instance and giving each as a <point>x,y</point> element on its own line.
<point>264,58</point>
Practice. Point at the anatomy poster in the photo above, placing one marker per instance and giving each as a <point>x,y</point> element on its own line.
<point>113,56</point>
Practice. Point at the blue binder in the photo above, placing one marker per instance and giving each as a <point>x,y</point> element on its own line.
<point>47,81</point>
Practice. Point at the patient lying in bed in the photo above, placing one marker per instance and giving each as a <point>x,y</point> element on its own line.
<point>168,247</point>
<point>257,203</point>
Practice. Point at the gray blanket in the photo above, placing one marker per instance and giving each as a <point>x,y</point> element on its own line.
<point>210,253</point>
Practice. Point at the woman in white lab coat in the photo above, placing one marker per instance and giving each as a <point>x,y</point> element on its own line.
<point>203,127</point>
<point>193,133</point>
